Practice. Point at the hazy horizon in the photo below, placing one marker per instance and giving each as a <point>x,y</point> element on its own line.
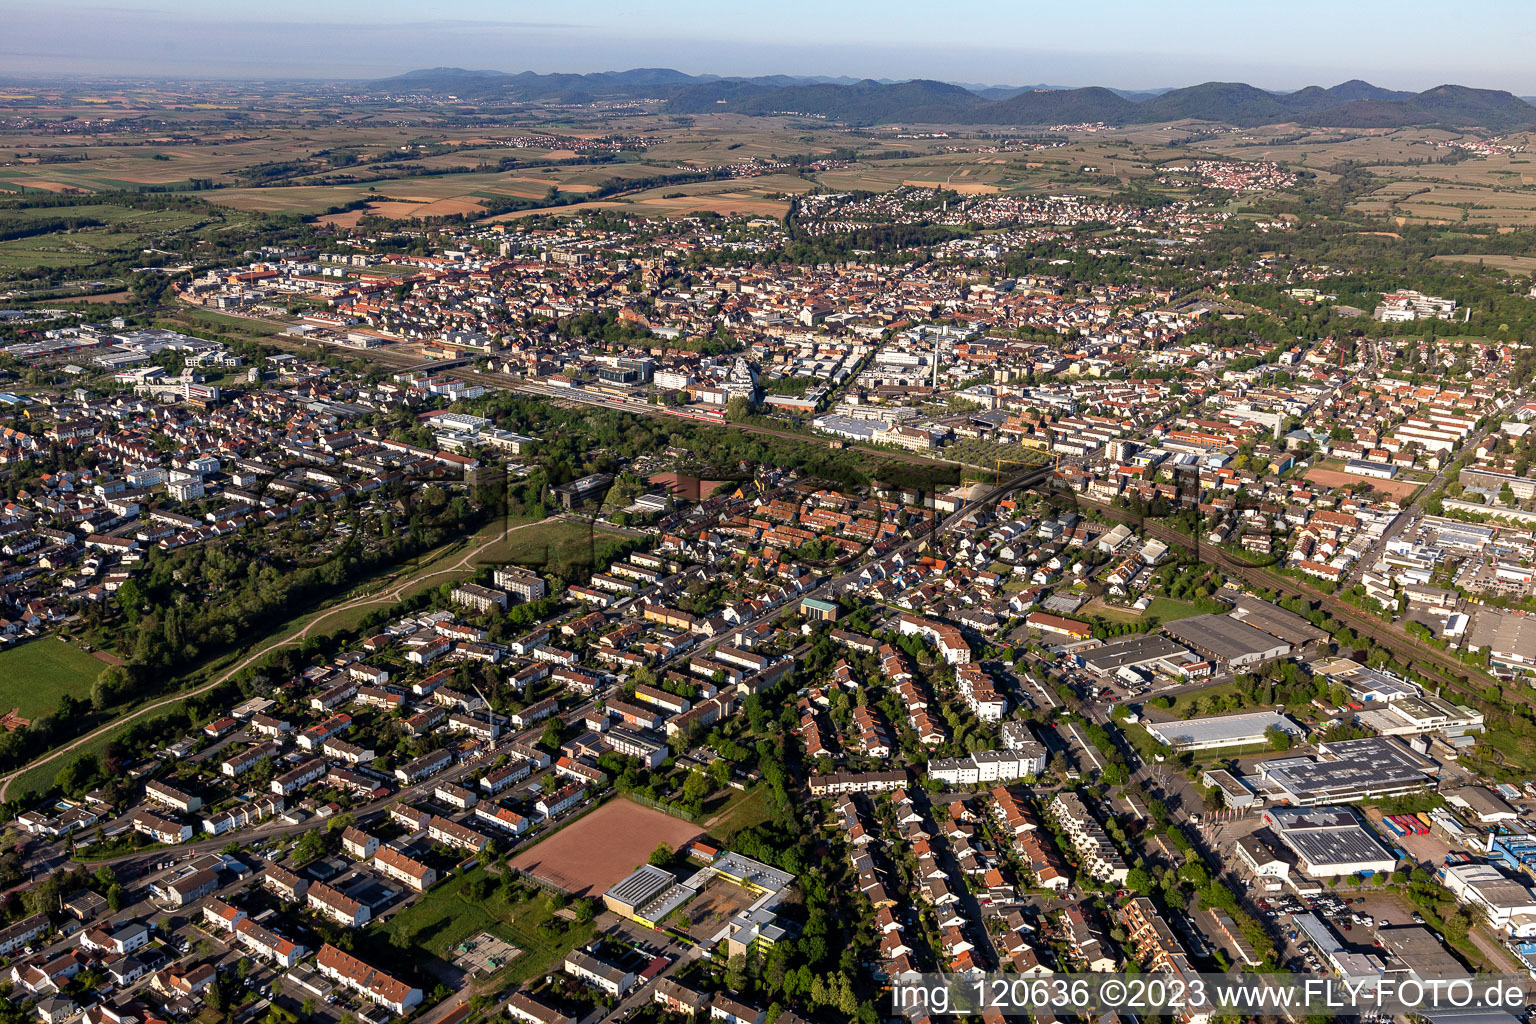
<point>1125,45</point>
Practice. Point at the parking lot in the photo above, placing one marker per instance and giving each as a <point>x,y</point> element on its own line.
<point>1354,916</point>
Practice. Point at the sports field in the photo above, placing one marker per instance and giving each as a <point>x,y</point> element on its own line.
<point>589,856</point>
<point>1400,490</point>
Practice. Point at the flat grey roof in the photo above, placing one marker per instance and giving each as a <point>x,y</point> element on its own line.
<point>1223,637</point>
<point>1481,802</point>
<point>1513,635</point>
<point>1326,836</point>
<point>1248,727</point>
<point>1351,769</point>
<point>1276,621</point>
<point>1136,650</point>
<point>1228,783</point>
<point>644,885</point>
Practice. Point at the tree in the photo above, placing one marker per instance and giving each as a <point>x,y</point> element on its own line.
<point>661,856</point>
<point>696,787</point>
<point>117,897</point>
<point>720,771</point>
<point>310,846</point>
<point>76,776</point>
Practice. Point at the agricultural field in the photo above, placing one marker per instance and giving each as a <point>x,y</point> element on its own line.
<point>1324,147</point>
<point>1522,266</point>
<point>1427,201</point>
<point>115,229</point>
<point>987,173</point>
<point>764,196</point>
<point>34,675</point>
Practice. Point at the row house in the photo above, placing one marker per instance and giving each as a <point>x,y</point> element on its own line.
<point>161,830</point>
<point>427,764</point>
<point>297,778</point>
<point>337,906</point>
<point>238,764</point>
<point>286,885</point>
<point>244,815</point>
<point>503,818</point>
<point>451,833</point>
<point>358,844</point>
<point>368,982</point>
<point>269,945</point>
<point>406,869</point>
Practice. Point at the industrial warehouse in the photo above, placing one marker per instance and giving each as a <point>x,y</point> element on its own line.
<point>1227,641</point>
<point>1344,772</point>
<point>1242,730</point>
<point>1328,841</point>
<point>1252,633</point>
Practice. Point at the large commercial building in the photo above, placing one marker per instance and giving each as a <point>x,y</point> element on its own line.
<point>1277,622</point>
<point>1227,642</point>
<point>1136,652</point>
<point>1346,771</point>
<point>1414,716</point>
<point>1367,685</point>
<point>1241,730</point>
<point>1510,639</point>
<point>1252,633</point>
<point>1328,841</point>
<point>1510,905</point>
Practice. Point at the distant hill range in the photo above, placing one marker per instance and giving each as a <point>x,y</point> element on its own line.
<point>1354,104</point>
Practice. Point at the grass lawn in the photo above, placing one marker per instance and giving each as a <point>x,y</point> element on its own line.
<point>1183,701</point>
<point>447,916</point>
<point>1167,609</point>
<point>554,544</point>
<point>244,323</point>
<point>34,675</point>
<point>743,811</point>
<point>1109,611</point>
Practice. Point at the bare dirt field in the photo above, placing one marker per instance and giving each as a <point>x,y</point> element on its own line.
<point>1401,490</point>
<point>708,912</point>
<point>587,858</point>
<point>98,297</point>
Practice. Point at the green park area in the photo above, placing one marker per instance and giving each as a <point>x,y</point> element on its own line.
<point>475,902</point>
<point>34,675</point>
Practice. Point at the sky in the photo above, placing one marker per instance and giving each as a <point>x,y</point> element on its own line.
<point>1128,44</point>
